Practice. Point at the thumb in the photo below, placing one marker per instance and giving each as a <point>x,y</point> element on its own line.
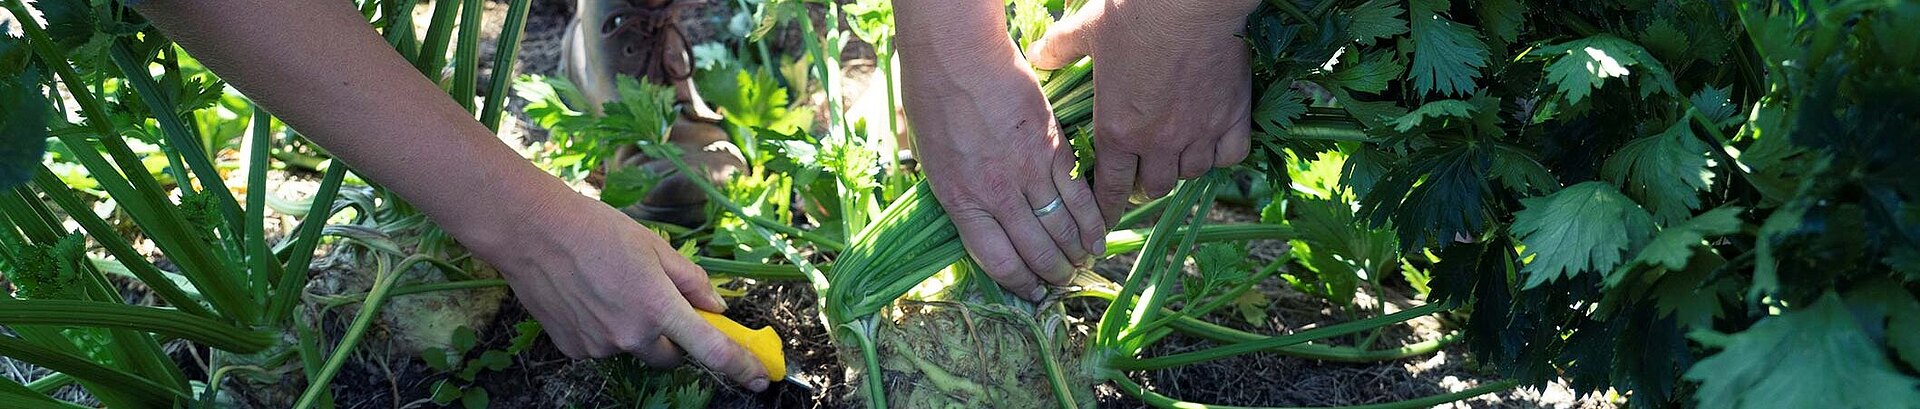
<point>713,349</point>
<point>1068,39</point>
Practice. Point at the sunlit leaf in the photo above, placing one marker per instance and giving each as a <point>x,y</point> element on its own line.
<point>1583,228</point>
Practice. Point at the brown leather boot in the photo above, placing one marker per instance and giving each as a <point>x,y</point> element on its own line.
<point>642,39</point>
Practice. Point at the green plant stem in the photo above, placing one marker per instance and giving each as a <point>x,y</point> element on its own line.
<point>306,237</point>
<point>1218,333</point>
<point>1118,242</point>
<point>161,321</point>
<point>115,244</point>
<point>783,228</point>
<point>260,259</point>
<point>1216,302</point>
<point>212,394</point>
<point>137,351</point>
<point>14,395</point>
<point>758,271</point>
<point>466,54</point>
<point>82,368</point>
<point>1133,217</point>
<point>311,360</point>
<point>399,18</point>
<point>760,223</point>
<point>875,387</point>
<point>136,192</point>
<point>1151,300</point>
<point>504,51</point>
<point>183,140</point>
<point>433,49</point>
<point>1720,139</point>
<point>344,299</point>
<point>300,160</point>
<point>1127,241</point>
<point>50,383</point>
<point>1062,393</point>
<point>1189,358</point>
<point>1114,322</point>
<point>1157,400</point>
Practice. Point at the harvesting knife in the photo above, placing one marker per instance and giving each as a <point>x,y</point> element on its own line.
<point>763,343</point>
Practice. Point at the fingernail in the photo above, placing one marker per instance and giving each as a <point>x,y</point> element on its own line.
<point>1100,247</point>
<point>722,301</point>
<point>758,385</point>
<point>1038,293</point>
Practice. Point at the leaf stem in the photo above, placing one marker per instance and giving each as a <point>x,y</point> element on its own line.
<point>1157,400</point>
<point>1135,364</point>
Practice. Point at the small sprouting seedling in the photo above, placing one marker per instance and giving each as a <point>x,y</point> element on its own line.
<point>634,385</point>
<point>460,386</point>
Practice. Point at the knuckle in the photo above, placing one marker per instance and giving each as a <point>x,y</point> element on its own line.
<point>1064,235</point>
<point>1192,171</point>
<point>1040,264</point>
<point>723,354</point>
<point>962,215</point>
<point>632,343</point>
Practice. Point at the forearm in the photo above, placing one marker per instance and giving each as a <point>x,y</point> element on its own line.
<point>323,70</point>
<point>951,40</point>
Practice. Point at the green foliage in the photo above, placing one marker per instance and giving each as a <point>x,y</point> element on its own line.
<point>1435,199</point>
<point>1583,228</point>
<point>1375,20</point>
<point>634,385</point>
<point>1369,74</point>
<point>1447,56</point>
<point>460,386</point>
<point>1588,214</point>
<point>1819,356</point>
<point>1666,172</point>
<point>583,139</point>
<point>41,272</point>
<point>750,98</point>
<point>1584,65</point>
<point>1276,110</point>
<point>1675,245</point>
<point>1447,108</point>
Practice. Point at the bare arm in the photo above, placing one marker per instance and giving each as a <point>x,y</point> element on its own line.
<point>320,67</point>
<point>598,281</point>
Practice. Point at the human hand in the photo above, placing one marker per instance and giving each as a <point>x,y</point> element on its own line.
<point>1172,94</point>
<point>601,285</point>
<point>999,164</point>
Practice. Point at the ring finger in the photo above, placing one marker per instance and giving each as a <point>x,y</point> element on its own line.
<point>1059,224</point>
<point>1037,244</point>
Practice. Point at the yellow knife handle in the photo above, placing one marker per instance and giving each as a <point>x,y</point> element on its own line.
<point>764,343</point>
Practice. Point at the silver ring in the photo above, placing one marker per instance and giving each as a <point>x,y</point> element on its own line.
<point>1051,207</point>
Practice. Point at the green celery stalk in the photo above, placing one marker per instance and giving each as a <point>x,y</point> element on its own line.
<point>100,379</point>
<point>136,192</point>
<point>466,54</point>
<point>433,49</point>
<point>503,57</point>
<point>166,322</point>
